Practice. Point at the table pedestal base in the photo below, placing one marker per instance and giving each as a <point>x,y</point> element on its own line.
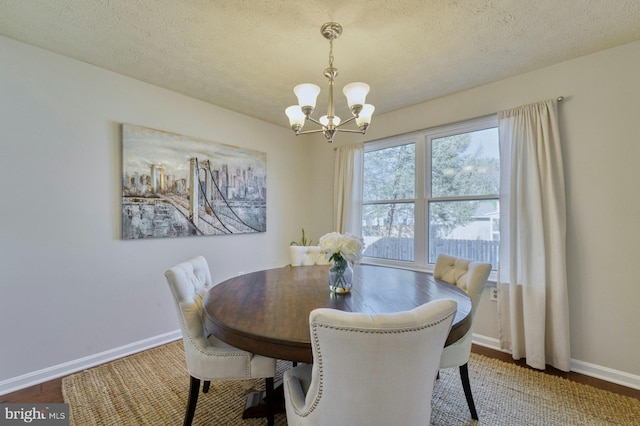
<point>256,406</point>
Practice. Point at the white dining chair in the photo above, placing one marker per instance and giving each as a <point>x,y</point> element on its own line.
<point>307,255</point>
<point>369,369</point>
<point>207,357</point>
<point>470,276</point>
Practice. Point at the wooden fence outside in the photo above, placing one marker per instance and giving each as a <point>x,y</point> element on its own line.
<point>402,249</point>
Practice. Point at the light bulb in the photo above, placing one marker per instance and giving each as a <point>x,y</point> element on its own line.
<point>324,120</point>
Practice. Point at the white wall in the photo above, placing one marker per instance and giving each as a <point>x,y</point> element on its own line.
<point>601,147</point>
<point>70,287</point>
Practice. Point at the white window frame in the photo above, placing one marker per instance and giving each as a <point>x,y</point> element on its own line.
<point>422,194</point>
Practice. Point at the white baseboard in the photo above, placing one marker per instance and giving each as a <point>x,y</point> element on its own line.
<point>604,373</point>
<point>64,369</point>
<point>592,370</point>
<point>487,342</point>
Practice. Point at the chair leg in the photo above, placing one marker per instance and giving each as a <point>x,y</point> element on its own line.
<point>194,389</point>
<point>464,376</point>
<point>270,400</point>
<point>205,386</point>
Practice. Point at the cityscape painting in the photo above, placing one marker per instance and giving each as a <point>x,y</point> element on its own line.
<point>178,186</point>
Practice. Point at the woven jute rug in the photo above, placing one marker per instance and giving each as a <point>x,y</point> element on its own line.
<point>150,388</point>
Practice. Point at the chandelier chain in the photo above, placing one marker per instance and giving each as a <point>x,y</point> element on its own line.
<point>331,53</point>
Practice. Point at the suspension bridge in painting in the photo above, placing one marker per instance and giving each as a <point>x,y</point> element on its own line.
<point>215,211</point>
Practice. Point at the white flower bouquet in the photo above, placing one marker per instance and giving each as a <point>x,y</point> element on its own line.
<point>342,249</point>
<point>338,247</point>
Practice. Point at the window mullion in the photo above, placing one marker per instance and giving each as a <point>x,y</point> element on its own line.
<point>420,229</point>
<point>397,201</point>
<point>465,198</point>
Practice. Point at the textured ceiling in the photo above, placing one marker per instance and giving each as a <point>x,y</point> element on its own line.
<point>247,55</point>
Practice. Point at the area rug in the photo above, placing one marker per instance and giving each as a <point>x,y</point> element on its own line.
<point>150,388</point>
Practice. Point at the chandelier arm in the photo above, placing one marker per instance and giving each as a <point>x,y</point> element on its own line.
<point>345,122</point>
<point>310,131</point>
<point>315,121</point>
<point>349,131</point>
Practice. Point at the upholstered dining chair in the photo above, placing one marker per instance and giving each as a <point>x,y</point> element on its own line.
<point>369,369</point>
<point>471,277</point>
<point>307,255</point>
<point>207,357</point>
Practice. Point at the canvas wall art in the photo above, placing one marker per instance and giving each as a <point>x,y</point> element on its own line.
<point>178,186</point>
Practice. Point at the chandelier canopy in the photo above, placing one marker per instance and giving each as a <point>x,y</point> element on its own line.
<point>307,94</point>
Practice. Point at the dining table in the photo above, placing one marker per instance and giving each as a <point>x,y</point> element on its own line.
<point>267,312</point>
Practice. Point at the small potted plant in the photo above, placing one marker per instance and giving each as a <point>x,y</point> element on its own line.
<point>304,253</point>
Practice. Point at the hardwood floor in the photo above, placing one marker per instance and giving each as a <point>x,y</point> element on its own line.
<point>51,391</point>
<point>47,392</point>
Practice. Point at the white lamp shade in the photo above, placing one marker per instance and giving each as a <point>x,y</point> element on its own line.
<point>365,115</point>
<point>296,116</point>
<point>307,94</point>
<point>356,93</point>
<point>324,120</point>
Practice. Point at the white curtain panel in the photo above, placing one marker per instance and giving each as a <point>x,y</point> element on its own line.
<point>347,190</point>
<point>533,307</point>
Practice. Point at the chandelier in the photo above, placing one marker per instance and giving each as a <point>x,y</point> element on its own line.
<point>307,94</point>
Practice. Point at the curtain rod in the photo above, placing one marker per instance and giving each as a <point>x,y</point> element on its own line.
<point>559,99</point>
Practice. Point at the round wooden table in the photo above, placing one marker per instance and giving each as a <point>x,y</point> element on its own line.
<point>267,312</point>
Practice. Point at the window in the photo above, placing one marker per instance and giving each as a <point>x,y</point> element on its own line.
<point>434,191</point>
<point>388,211</point>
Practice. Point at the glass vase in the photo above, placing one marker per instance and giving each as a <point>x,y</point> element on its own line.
<point>340,276</point>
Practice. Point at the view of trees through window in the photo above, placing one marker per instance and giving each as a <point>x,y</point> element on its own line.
<point>458,212</point>
<point>463,207</point>
<point>389,193</point>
